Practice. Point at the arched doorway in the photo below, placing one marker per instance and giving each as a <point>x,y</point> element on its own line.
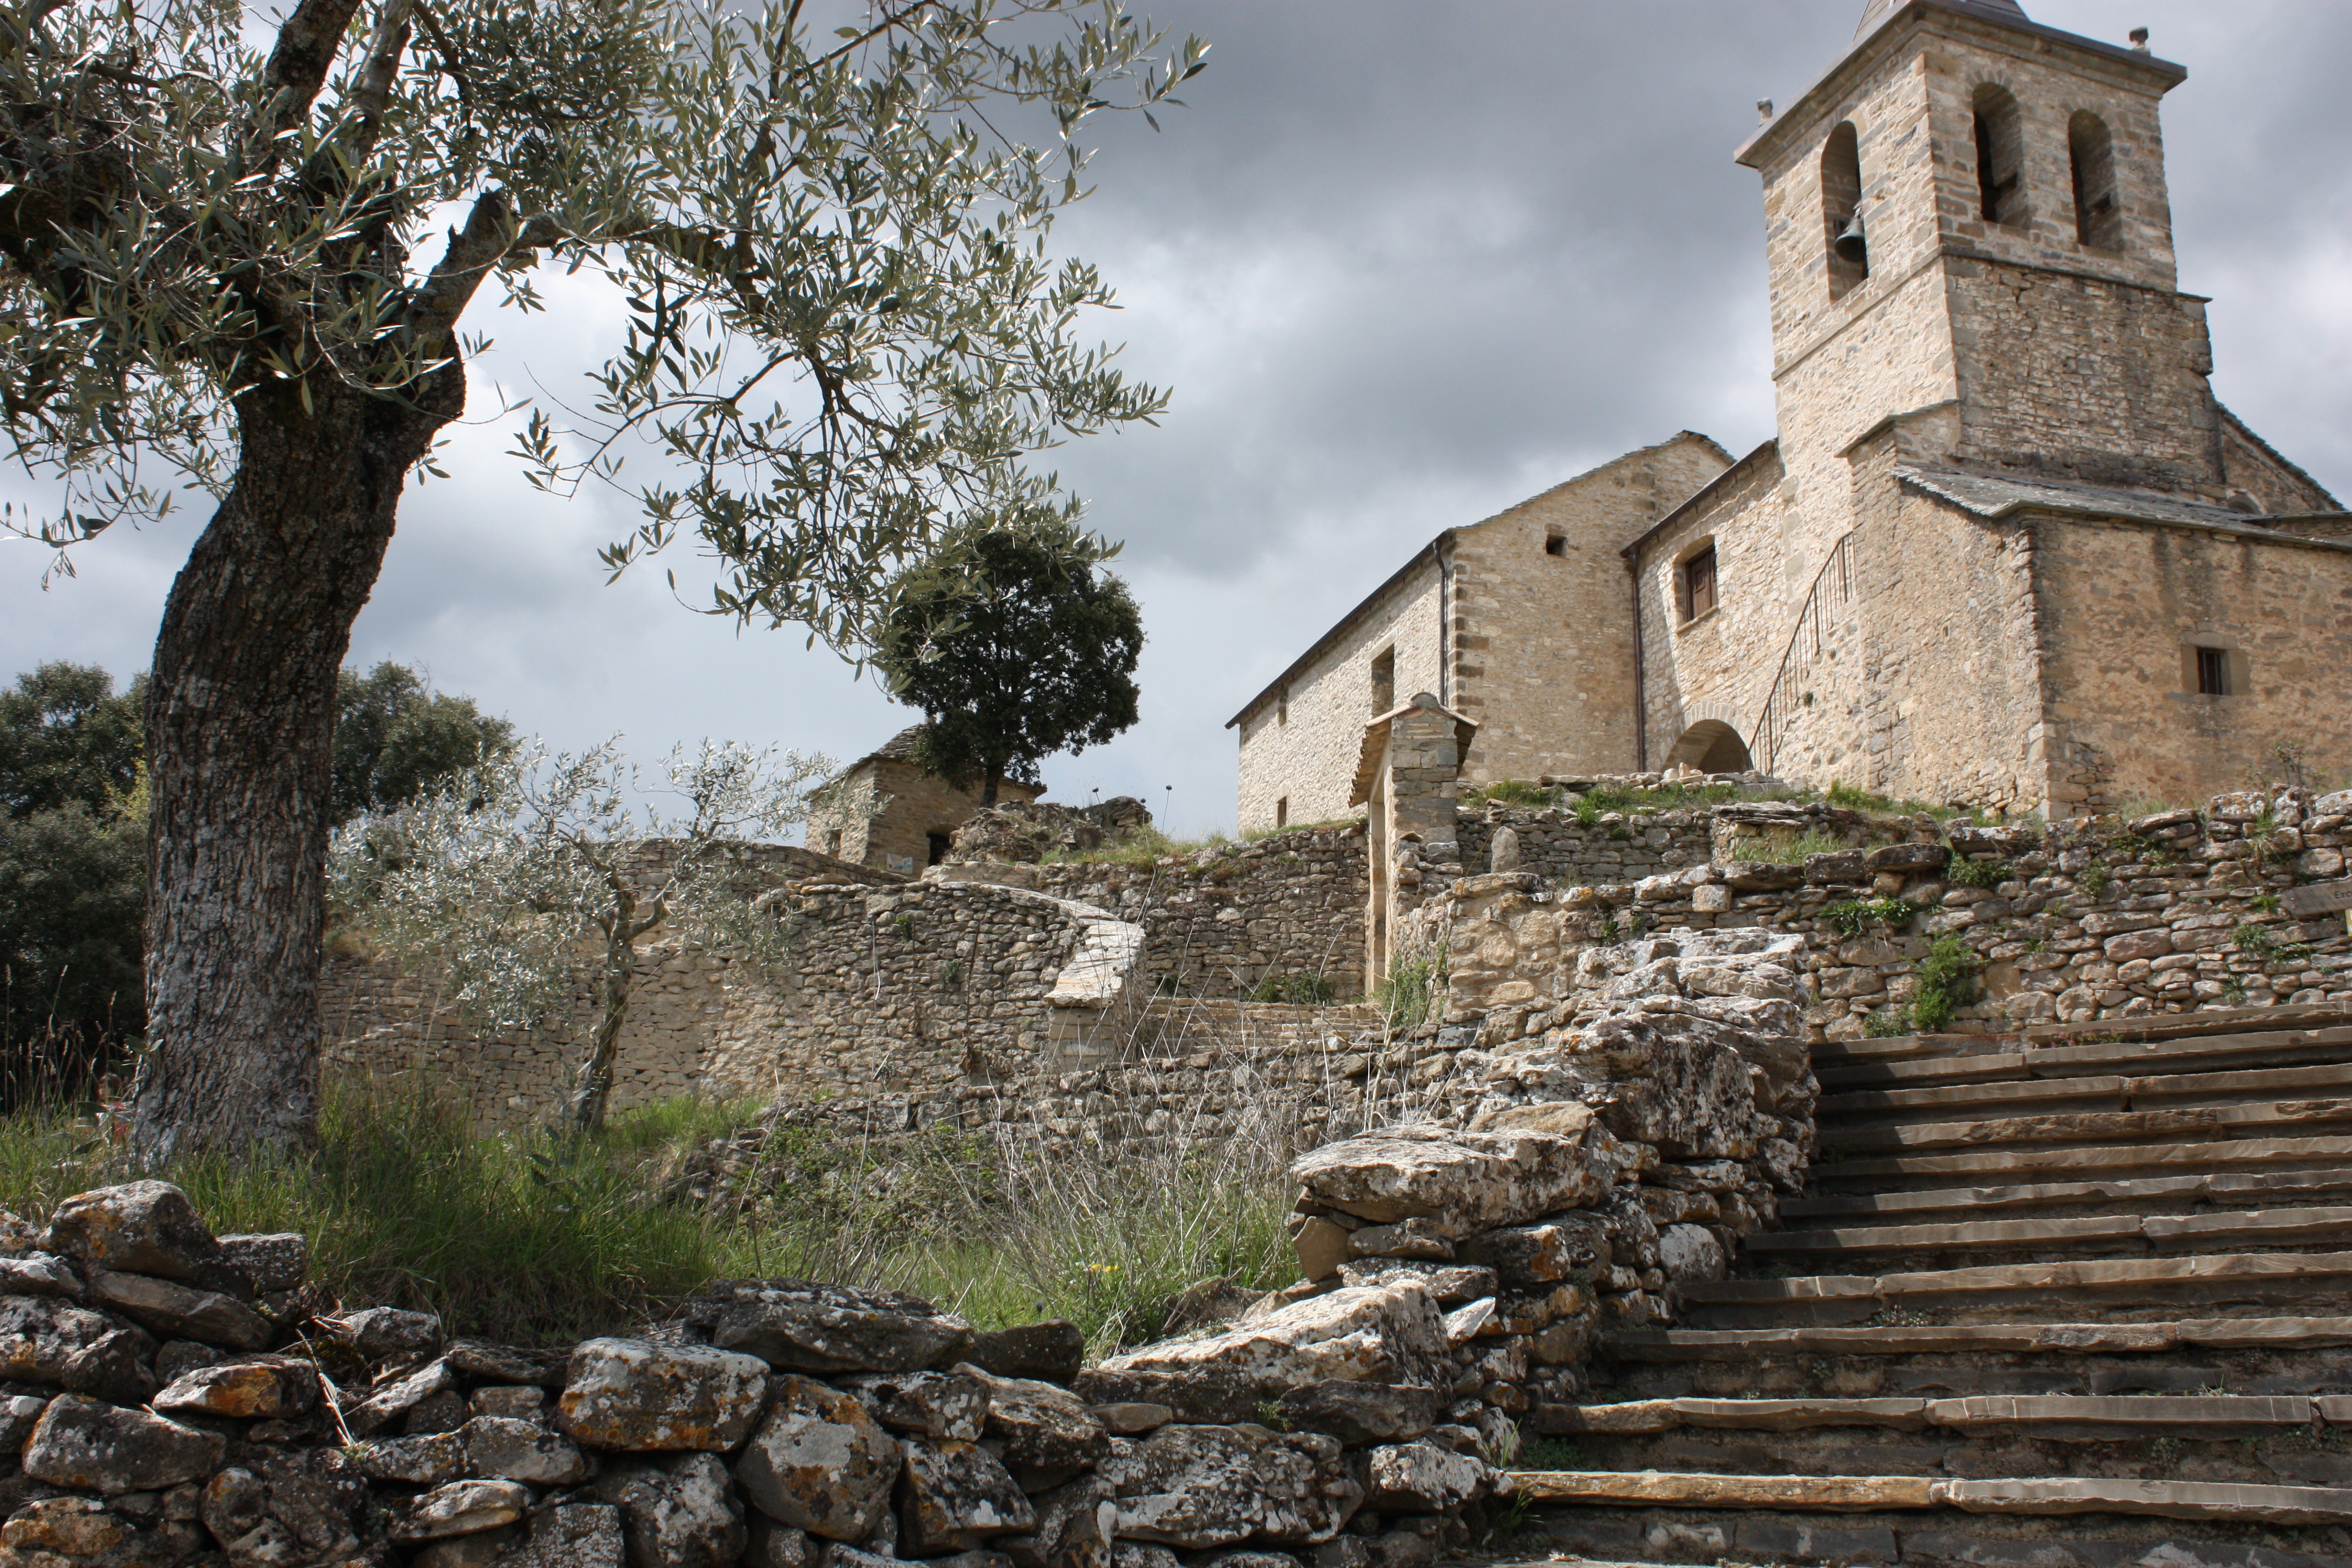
<point>1711,746</point>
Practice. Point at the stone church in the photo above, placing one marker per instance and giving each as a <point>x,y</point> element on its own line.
<point>2006,549</point>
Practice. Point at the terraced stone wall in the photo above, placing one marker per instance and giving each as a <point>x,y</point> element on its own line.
<point>1616,847</point>
<point>2171,912</point>
<point>1220,923</point>
<point>902,989</point>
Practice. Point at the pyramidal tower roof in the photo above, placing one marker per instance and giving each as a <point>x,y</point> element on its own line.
<point>1877,11</point>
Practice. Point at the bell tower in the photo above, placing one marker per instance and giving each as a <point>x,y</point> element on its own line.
<point>1970,242</point>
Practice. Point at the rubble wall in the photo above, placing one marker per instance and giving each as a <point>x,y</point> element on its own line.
<point>1219,922</point>
<point>2107,917</point>
<point>887,989</point>
<point>1616,847</point>
<point>777,1422</point>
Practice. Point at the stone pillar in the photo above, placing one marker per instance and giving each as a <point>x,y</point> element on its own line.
<point>1409,778</point>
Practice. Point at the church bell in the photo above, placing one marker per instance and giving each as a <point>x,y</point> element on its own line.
<point>1849,242</point>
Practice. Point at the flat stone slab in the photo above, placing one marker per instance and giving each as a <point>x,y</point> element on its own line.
<point>2268,1277</point>
<point>1646,1416</point>
<point>2073,1339</point>
<point>2205,1156</point>
<point>2255,1228</point>
<point>2241,1189</point>
<point>1859,1494</point>
<point>2165,1500</point>
<point>2111,1415</point>
<point>1654,1489</point>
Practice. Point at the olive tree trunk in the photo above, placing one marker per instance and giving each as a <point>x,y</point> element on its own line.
<point>240,717</point>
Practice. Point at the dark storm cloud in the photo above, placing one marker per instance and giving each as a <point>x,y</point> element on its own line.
<point>1402,265</point>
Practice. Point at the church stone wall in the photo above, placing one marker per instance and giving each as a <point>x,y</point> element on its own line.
<point>2121,603</point>
<point>2085,378</point>
<point>1569,709</point>
<point>1305,751</point>
<point>1719,665</point>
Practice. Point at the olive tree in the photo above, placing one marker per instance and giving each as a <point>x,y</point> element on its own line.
<point>530,880</point>
<point>236,249</point>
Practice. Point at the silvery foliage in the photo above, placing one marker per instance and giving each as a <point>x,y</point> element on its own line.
<point>514,878</point>
<point>842,331</point>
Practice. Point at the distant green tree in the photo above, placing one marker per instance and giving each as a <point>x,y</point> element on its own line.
<point>1021,647</point>
<point>395,737</point>
<point>73,877</point>
<point>65,736</point>
<point>73,829</point>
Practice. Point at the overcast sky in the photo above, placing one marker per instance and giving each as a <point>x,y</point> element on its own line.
<point>1402,265</point>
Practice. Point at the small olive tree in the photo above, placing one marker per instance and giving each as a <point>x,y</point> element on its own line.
<point>535,876</point>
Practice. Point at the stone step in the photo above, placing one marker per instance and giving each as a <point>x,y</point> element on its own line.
<point>2201,1416</point>
<point>1904,1339</point>
<point>1891,1173</point>
<point>2081,1235</point>
<point>2107,1092</point>
<point>1855,1494</point>
<point>1601,1536</point>
<point>2227,1189</point>
<point>2075,1128</point>
<point>2262,1282</point>
<point>2013,1059</point>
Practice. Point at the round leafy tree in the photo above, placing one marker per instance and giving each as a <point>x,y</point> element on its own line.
<point>1016,647</point>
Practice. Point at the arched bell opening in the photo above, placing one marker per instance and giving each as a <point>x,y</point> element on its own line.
<point>1711,746</point>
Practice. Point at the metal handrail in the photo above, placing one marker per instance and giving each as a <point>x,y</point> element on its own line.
<point>1834,579</point>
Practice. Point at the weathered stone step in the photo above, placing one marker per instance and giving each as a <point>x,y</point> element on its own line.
<point>1852,1494</point>
<point>2026,1415</point>
<point>1902,1339</point>
<point>2084,1235</point>
<point>2107,1092</point>
<point>2074,1129</point>
<point>2230,1189</point>
<point>2263,1281</point>
<point>1601,1536</point>
<point>1894,1171</point>
<point>2012,1059</point>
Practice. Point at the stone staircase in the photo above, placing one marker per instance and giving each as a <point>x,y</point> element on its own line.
<point>2068,1300</point>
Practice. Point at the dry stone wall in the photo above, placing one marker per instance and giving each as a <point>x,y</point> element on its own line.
<point>1224,921</point>
<point>889,989</point>
<point>2106,917</point>
<point>1613,847</point>
<point>181,1400</point>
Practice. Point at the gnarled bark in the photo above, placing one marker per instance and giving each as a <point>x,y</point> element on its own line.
<point>240,714</point>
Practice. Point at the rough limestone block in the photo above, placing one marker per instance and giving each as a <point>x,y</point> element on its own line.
<point>94,1446</point>
<point>819,1462</point>
<point>1391,1332</point>
<point>630,1395</point>
<point>139,1228</point>
<point>955,1497</point>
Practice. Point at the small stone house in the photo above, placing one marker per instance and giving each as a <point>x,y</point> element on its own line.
<point>2007,549</point>
<point>916,818</point>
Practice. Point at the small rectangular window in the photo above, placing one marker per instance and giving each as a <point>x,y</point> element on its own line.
<point>1384,681</point>
<point>1556,544</point>
<point>1698,584</point>
<point>2213,672</point>
<point>1282,708</point>
<point>1282,812</point>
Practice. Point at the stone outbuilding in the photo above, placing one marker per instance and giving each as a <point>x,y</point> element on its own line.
<point>885,811</point>
<point>2007,548</point>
